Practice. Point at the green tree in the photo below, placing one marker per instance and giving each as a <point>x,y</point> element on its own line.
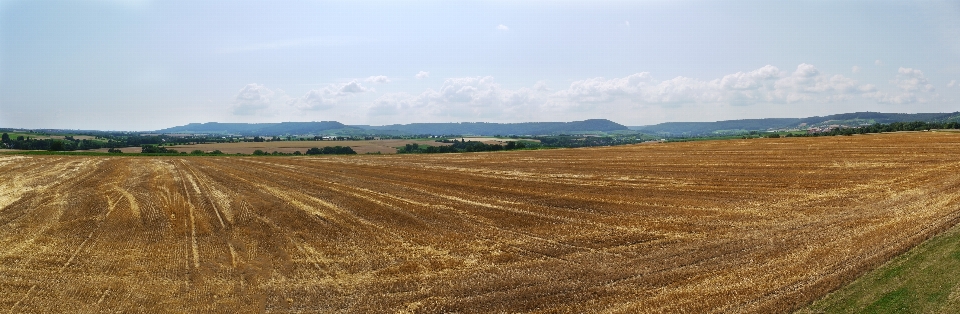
<point>56,145</point>
<point>5,138</point>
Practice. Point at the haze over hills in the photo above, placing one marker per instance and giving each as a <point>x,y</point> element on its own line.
<point>547,128</point>
<point>484,128</point>
<point>266,129</point>
<point>735,126</point>
<point>465,128</point>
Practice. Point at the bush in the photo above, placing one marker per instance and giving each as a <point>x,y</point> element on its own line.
<point>115,151</point>
<point>196,152</point>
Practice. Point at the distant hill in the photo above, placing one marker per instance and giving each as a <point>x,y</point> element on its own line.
<point>333,127</point>
<point>735,126</point>
<point>483,128</point>
<point>264,129</point>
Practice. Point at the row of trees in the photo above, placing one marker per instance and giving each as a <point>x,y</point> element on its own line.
<point>66,144</point>
<point>329,150</point>
<point>879,128</point>
<point>894,127</point>
<point>462,146</point>
<point>155,149</point>
<point>584,141</point>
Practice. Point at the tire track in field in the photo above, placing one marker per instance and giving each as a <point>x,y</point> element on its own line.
<point>342,217</point>
<point>195,255</point>
<point>205,184</point>
<point>111,205</point>
<point>689,266</point>
<point>25,177</point>
<point>91,172</point>
<point>41,201</point>
<point>196,188</point>
<point>474,219</point>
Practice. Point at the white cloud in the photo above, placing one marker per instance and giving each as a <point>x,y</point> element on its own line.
<point>911,80</point>
<point>422,75</point>
<point>352,88</point>
<point>379,79</point>
<point>749,80</point>
<point>316,99</point>
<point>254,99</point>
<point>855,70</point>
<point>327,97</point>
<point>503,27</point>
<point>952,83</point>
<point>541,86</point>
<point>766,84</point>
<point>626,23</point>
<point>483,99</point>
<point>806,84</point>
<point>866,88</point>
<point>913,88</point>
<point>878,62</point>
<point>461,98</point>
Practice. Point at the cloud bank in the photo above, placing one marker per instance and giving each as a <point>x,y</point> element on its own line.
<point>482,98</point>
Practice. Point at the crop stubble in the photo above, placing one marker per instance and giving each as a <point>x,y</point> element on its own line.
<point>723,226</point>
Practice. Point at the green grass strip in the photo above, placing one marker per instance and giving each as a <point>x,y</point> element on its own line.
<point>926,279</point>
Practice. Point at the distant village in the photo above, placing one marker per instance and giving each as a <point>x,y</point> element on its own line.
<point>818,129</point>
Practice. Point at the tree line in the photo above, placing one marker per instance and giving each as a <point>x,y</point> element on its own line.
<point>328,150</point>
<point>569,141</point>
<point>66,144</point>
<point>462,146</point>
<point>880,128</point>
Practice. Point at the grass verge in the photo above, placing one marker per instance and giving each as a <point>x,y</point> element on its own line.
<point>926,279</point>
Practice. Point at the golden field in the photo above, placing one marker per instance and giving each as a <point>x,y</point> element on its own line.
<point>762,225</point>
<point>388,146</point>
<point>361,147</point>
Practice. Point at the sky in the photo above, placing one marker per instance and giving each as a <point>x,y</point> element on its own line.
<point>147,65</point>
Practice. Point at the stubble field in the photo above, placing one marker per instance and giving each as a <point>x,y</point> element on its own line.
<point>764,225</point>
<point>361,147</point>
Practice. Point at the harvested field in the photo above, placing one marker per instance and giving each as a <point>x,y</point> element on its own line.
<point>764,225</point>
<point>495,140</point>
<point>361,147</point>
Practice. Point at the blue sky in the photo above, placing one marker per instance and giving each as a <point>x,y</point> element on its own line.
<point>145,65</point>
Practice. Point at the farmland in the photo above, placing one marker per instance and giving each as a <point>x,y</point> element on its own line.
<point>762,225</point>
<point>361,147</point>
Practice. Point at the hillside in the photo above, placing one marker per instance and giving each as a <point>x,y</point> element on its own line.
<point>734,126</point>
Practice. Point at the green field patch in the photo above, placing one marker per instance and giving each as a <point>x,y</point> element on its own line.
<point>926,279</point>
